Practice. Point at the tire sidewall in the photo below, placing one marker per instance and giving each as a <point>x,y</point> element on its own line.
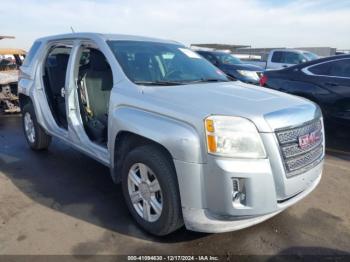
<point>28,108</point>
<point>134,157</point>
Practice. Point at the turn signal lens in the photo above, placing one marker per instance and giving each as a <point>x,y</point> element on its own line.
<point>211,143</point>
<point>210,125</point>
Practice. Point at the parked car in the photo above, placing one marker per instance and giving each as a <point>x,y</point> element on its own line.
<point>283,58</point>
<point>325,81</point>
<point>10,61</point>
<point>233,67</point>
<point>187,145</point>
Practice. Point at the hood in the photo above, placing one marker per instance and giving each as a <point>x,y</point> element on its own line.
<point>268,109</point>
<point>247,67</point>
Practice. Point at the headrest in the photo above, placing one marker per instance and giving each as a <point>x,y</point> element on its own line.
<point>98,61</point>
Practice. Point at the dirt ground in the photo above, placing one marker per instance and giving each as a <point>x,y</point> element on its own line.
<point>62,202</point>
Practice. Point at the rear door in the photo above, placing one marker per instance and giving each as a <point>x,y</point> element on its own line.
<point>334,78</point>
<point>275,60</point>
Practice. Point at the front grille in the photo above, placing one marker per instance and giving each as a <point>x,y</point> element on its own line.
<point>298,159</point>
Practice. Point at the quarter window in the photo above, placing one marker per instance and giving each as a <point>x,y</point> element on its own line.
<point>322,69</point>
<point>339,68</point>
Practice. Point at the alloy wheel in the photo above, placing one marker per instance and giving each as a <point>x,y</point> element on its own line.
<point>29,127</point>
<point>145,192</point>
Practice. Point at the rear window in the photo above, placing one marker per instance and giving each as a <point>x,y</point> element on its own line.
<point>340,68</point>
<point>32,52</point>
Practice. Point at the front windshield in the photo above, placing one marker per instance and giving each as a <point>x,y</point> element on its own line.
<point>227,59</point>
<point>310,56</point>
<point>163,64</point>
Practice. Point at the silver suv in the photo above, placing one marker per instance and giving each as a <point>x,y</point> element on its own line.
<point>188,146</point>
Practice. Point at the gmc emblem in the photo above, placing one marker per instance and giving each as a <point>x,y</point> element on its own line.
<point>308,139</point>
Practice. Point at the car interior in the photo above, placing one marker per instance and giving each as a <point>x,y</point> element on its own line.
<point>141,66</point>
<point>54,78</point>
<point>94,86</point>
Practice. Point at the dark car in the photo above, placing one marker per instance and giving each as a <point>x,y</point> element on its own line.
<point>324,81</point>
<point>233,67</point>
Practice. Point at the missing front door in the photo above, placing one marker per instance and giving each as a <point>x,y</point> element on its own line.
<point>94,87</point>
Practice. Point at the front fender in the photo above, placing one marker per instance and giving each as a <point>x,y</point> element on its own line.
<point>179,138</point>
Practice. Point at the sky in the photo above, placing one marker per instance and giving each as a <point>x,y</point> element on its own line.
<point>259,23</point>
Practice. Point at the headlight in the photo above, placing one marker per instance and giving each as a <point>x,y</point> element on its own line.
<point>233,137</point>
<point>249,74</point>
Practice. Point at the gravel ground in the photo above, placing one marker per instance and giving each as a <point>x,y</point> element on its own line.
<point>62,202</point>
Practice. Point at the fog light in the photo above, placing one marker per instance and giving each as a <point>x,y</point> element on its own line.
<point>238,191</point>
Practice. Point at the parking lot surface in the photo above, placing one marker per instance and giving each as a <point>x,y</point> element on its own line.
<point>62,202</point>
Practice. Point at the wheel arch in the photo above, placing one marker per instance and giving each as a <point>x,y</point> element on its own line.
<point>134,127</point>
<point>23,100</point>
<point>125,142</point>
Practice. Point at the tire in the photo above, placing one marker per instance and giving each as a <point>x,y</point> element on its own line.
<point>161,169</point>
<point>40,140</point>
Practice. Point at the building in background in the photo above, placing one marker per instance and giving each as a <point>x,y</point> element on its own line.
<point>6,36</point>
<point>243,50</point>
<point>231,48</point>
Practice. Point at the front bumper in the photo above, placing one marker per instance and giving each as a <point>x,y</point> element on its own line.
<point>206,190</point>
<point>202,220</point>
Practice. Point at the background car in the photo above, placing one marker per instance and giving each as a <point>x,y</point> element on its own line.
<point>282,58</point>
<point>233,67</point>
<point>10,60</point>
<point>325,81</point>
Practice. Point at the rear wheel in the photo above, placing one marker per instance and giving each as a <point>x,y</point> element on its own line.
<point>36,137</point>
<point>150,190</point>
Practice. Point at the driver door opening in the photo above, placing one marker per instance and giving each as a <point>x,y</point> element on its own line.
<point>95,82</point>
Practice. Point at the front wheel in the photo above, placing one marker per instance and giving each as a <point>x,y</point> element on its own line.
<point>150,190</point>
<point>36,138</point>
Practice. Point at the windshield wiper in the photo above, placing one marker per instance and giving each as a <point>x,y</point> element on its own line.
<point>158,83</point>
<point>208,80</point>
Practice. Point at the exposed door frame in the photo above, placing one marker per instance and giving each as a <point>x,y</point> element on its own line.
<point>52,124</point>
<point>76,128</point>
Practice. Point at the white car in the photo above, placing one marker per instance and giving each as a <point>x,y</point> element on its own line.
<point>283,58</point>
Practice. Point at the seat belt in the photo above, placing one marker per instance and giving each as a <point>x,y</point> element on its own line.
<point>85,97</point>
